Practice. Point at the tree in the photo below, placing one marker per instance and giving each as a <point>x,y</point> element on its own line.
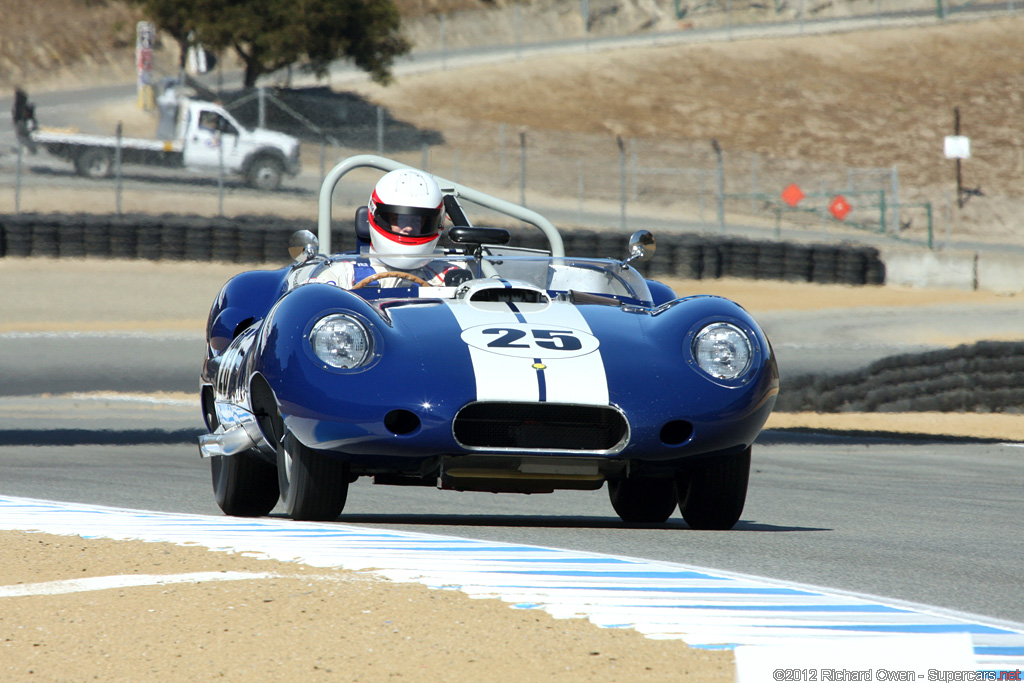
<point>271,34</point>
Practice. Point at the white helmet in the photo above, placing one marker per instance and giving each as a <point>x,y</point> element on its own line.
<point>406,216</point>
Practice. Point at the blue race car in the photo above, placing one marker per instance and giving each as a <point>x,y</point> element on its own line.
<point>532,371</point>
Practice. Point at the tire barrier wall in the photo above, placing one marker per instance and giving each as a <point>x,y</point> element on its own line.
<point>264,239</point>
<point>983,377</point>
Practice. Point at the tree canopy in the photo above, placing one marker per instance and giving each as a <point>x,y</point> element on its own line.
<point>268,35</point>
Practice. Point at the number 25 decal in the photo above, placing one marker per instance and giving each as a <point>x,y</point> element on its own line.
<point>530,341</point>
<point>555,340</point>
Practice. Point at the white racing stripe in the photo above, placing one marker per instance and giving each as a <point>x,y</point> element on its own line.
<point>534,352</point>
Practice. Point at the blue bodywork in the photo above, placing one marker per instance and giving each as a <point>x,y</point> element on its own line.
<point>396,414</point>
<point>526,371</point>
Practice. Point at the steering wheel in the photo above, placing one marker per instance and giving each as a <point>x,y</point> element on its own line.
<point>391,273</point>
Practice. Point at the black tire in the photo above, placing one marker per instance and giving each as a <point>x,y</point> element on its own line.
<point>243,485</point>
<point>643,500</point>
<point>711,497</point>
<point>94,163</point>
<point>265,173</point>
<point>313,487</point>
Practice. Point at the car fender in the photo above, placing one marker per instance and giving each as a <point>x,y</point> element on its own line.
<point>244,299</point>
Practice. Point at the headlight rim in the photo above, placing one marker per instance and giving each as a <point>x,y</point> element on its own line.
<point>373,346</point>
<point>753,349</point>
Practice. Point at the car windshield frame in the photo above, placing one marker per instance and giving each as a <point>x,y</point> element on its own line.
<point>560,276</point>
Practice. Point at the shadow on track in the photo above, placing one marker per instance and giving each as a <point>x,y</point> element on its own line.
<point>545,522</point>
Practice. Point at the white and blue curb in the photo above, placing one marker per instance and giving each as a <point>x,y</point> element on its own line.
<point>702,607</point>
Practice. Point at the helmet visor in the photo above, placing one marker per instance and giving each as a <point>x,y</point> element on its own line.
<point>410,221</point>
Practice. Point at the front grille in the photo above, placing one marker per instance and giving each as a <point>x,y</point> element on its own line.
<point>540,426</point>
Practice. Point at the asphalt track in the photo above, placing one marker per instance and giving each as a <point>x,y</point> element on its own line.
<point>928,521</point>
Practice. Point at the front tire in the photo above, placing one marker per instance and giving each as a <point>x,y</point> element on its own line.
<point>711,497</point>
<point>265,174</point>
<point>313,487</point>
<point>643,500</point>
<point>243,485</point>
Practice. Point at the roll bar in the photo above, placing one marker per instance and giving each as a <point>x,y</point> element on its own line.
<point>480,198</point>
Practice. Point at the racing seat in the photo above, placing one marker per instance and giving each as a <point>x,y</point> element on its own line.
<point>362,226</point>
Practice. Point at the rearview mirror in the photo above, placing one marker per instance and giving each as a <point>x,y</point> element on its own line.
<point>303,245</point>
<point>641,247</point>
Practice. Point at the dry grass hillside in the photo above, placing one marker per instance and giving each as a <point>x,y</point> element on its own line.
<point>868,99</point>
<point>55,43</point>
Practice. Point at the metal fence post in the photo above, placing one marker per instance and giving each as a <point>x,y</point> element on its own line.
<point>323,161</point>
<point>753,183</point>
<point>931,241</point>
<point>502,167</point>
<point>220,175</point>
<point>633,169</point>
<point>522,165</point>
<point>444,42</point>
<point>895,199</point>
<point>700,197</point>
<point>17,180</point>
<point>579,190</point>
<point>262,100</point>
<point>117,166</point>
<point>519,34</point>
<point>721,186</point>
<point>622,181</point>
<point>380,130</point>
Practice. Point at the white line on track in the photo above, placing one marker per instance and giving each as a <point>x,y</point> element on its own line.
<point>702,607</point>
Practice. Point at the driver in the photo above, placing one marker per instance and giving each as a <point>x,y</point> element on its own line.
<point>406,215</point>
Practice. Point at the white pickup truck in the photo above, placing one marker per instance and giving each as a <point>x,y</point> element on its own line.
<point>207,138</point>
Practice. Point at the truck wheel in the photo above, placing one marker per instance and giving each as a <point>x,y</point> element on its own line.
<point>94,163</point>
<point>265,174</point>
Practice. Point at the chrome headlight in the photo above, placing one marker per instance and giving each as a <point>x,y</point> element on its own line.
<point>722,350</point>
<point>341,341</point>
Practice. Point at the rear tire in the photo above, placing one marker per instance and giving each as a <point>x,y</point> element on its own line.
<point>711,497</point>
<point>94,163</point>
<point>313,487</point>
<point>265,174</point>
<point>643,500</point>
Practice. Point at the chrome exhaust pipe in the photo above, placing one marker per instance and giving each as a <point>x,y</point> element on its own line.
<point>242,437</point>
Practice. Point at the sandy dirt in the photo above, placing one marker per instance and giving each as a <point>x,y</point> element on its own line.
<point>301,624</point>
